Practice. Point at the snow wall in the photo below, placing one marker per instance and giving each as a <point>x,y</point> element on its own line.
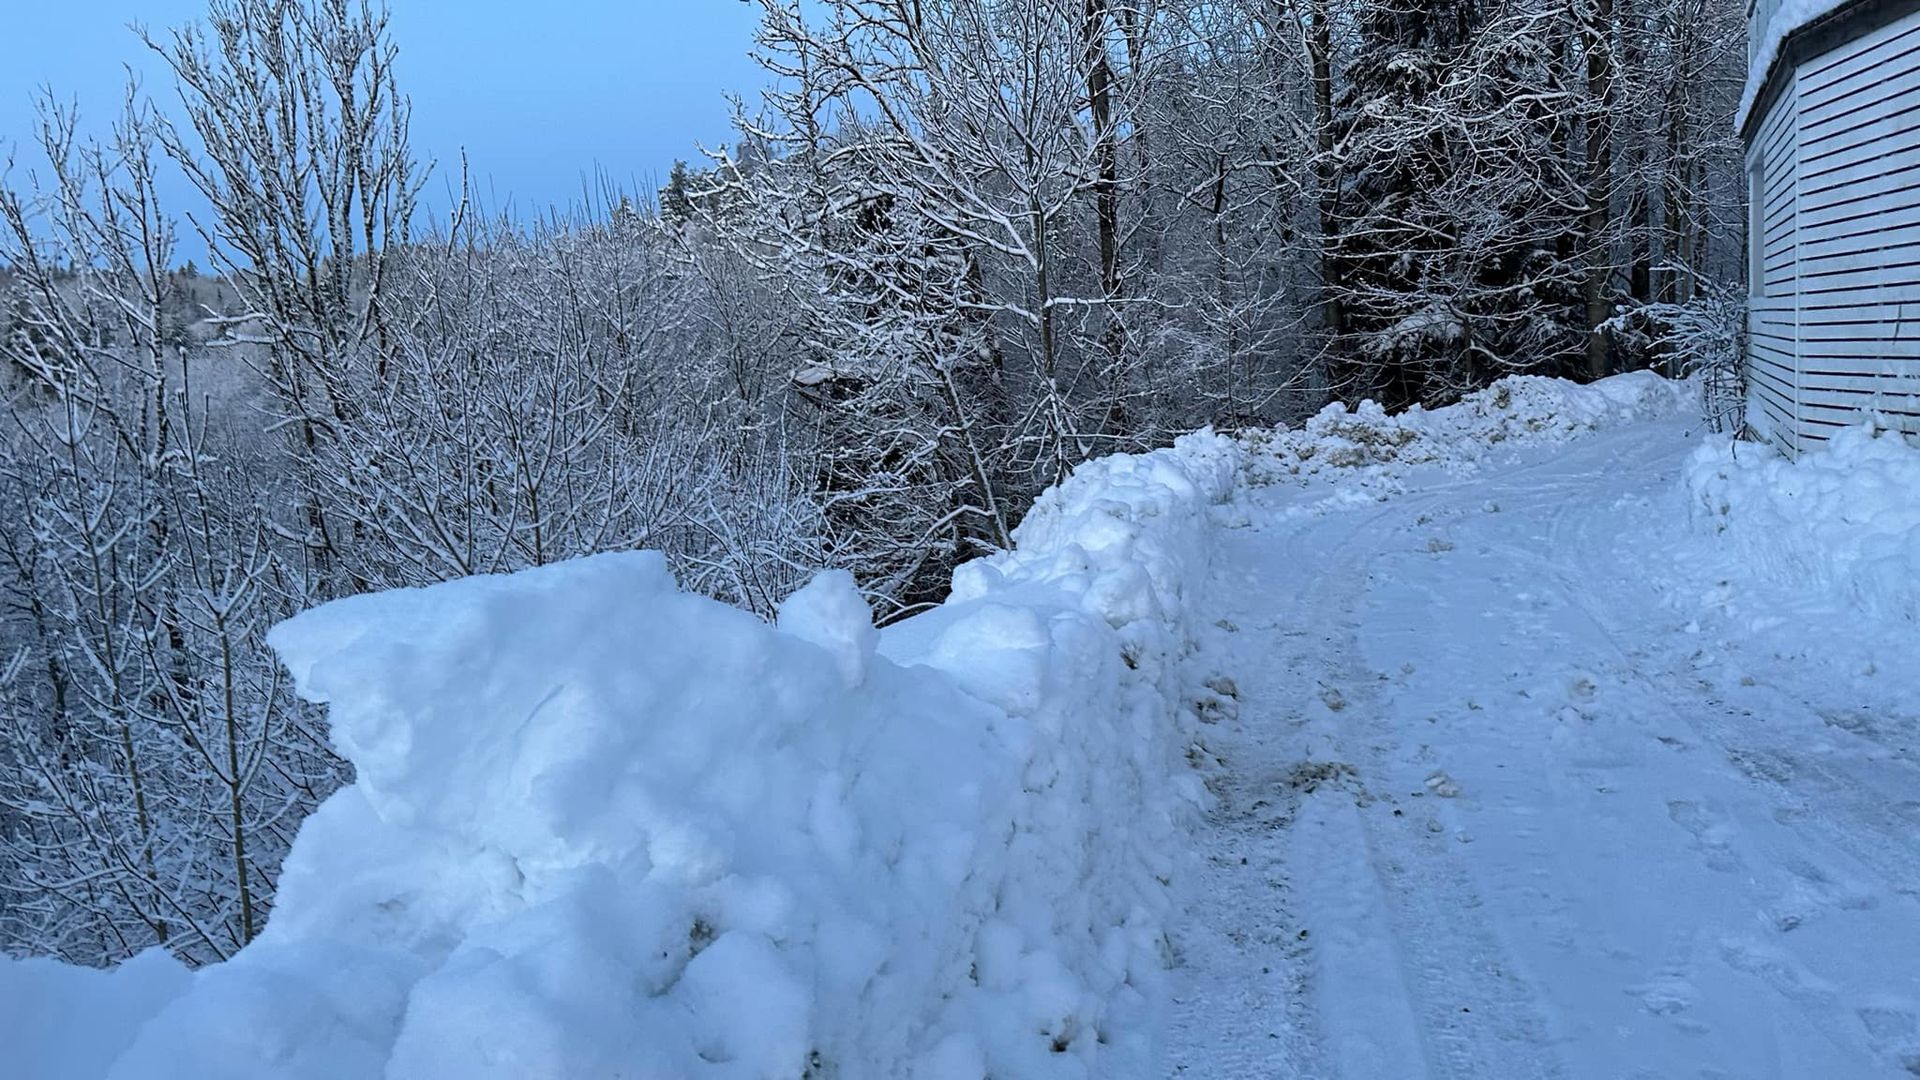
<point>603,827</point>
<point>1839,527</point>
<point>1365,455</point>
<point>63,1022</point>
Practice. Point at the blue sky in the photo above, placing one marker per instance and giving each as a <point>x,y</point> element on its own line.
<point>538,94</point>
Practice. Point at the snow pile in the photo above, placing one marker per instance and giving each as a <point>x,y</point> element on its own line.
<point>1371,452</point>
<point>1842,523</point>
<point>60,1022</point>
<point>603,827</point>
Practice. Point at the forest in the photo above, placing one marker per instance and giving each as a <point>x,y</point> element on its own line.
<point>956,248</point>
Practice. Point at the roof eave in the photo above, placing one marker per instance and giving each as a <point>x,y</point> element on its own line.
<point>1848,22</point>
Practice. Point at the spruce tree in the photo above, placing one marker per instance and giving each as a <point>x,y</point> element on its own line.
<point>676,205</point>
<point>1453,192</point>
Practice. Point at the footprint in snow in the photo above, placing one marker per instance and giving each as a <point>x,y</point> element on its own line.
<point>1893,1031</point>
<point>1813,891</point>
<point>1887,1022</point>
<point>1776,968</point>
<point>1708,832</point>
<point>1666,994</point>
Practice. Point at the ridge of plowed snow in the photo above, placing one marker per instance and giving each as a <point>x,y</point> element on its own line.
<point>602,827</point>
<point>1843,519</point>
<point>1368,453</point>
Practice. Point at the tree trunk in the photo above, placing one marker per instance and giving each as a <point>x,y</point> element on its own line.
<point>1597,226</point>
<point>1106,198</point>
<point>1320,48</point>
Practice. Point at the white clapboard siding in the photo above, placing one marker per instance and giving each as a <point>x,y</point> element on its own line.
<point>1900,292</point>
<point>1834,229</point>
<point>1835,322</point>
<point>1849,71</point>
<point>1840,137</point>
<point>1847,175</point>
<point>1884,229</point>
<point>1841,287</point>
<point>1874,252</point>
<point>1858,157</point>
<point>1830,415</point>
<point>1826,115</point>
<point>1882,368</point>
<point>1865,199</point>
<point>1770,390</point>
<point>1900,396</point>
<point>1772,340</point>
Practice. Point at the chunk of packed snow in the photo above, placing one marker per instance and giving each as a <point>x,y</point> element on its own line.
<point>1370,452</point>
<point>604,827</point>
<point>829,612</point>
<point>1841,522</point>
<point>60,1022</point>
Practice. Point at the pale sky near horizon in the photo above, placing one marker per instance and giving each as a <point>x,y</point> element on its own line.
<point>541,97</point>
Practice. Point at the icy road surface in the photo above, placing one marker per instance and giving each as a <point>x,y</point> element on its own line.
<point>1504,799</point>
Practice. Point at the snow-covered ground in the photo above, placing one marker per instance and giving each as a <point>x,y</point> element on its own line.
<point>1546,737</point>
<point>1595,761</point>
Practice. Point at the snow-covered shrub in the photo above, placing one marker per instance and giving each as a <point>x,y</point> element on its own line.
<point>1705,339</point>
<point>605,827</point>
<point>1841,522</point>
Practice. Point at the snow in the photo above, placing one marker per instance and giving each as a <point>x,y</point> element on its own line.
<point>1842,520</point>
<point>60,1022</point>
<point>829,612</point>
<point>1543,767</point>
<point>1363,454</point>
<point>1787,17</point>
<point>1542,736</point>
<point>605,827</point>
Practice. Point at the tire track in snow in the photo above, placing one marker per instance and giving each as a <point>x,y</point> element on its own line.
<point>1394,932</point>
<point>1477,1014</point>
<point>1241,1005</point>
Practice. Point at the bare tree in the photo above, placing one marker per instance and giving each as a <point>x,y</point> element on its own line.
<point>299,141</point>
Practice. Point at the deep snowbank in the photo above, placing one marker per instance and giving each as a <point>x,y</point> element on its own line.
<point>1371,453</point>
<point>1839,525</point>
<point>61,1022</point>
<point>603,827</point>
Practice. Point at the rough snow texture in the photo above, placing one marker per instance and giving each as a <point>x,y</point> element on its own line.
<point>1788,17</point>
<point>603,827</point>
<point>1369,453</point>
<point>1840,523</point>
<point>60,1022</point>
<point>1532,776</point>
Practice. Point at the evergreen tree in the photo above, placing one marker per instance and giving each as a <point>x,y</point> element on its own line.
<point>676,204</point>
<point>1455,195</point>
<point>625,216</point>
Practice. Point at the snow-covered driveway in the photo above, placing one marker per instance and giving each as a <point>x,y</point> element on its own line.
<point>1495,807</point>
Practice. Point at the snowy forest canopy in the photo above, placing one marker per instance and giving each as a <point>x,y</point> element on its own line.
<point>959,247</point>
